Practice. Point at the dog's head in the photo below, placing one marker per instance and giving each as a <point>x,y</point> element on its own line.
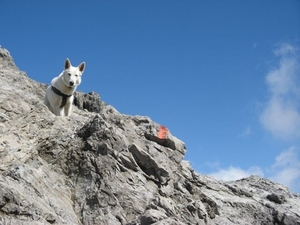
<point>72,75</point>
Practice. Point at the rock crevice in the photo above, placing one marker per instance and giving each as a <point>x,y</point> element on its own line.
<point>102,167</point>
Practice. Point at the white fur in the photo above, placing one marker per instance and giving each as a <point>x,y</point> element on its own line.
<point>66,82</point>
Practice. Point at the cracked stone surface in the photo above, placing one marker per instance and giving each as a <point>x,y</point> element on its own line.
<point>102,167</point>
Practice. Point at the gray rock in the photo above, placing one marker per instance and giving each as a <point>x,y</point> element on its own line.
<point>91,101</point>
<point>276,198</point>
<point>152,216</point>
<point>102,167</point>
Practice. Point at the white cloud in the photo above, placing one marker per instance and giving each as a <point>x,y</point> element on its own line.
<point>285,170</point>
<point>235,173</point>
<point>281,114</point>
<point>281,118</point>
<point>285,49</point>
<point>287,157</point>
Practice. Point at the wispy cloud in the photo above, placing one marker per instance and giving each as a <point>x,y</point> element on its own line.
<point>281,114</point>
<point>246,132</point>
<point>285,170</point>
<point>281,117</point>
<point>235,173</point>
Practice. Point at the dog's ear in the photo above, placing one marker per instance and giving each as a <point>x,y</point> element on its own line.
<point>67,64</point>
<point>81,67</point>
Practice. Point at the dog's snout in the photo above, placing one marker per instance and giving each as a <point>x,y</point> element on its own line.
<point>71,83</point>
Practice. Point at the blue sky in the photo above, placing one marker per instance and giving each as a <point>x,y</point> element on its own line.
<point>223,76</point>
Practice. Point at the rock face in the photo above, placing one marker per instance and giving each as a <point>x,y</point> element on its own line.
<point>103,167</point>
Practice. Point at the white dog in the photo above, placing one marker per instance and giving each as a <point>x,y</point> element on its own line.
<point>59,95</point>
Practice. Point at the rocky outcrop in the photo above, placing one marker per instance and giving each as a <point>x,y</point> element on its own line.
<point>102,167</point>
<point>90,102</point>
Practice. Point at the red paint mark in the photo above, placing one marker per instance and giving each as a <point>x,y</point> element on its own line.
<point>163,132</point>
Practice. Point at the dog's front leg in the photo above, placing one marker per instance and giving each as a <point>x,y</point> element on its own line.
<point>68,106</point>
<point>58,111</point>
<point>68,110</point>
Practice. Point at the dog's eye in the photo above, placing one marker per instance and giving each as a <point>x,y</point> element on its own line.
<point>69,74</point>
<point>76,75</point>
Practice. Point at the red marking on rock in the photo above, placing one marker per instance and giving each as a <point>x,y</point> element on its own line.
<point>163,132</point>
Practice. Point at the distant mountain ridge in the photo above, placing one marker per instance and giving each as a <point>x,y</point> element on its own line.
<point>102,167</point>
